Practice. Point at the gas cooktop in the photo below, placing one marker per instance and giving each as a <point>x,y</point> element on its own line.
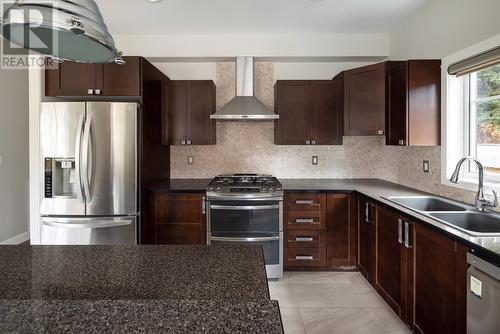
<point>245,184</point>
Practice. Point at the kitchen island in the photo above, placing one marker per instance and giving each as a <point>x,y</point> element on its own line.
<point>174,289</point>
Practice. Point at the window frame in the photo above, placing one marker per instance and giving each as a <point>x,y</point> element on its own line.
<point>456,122</point>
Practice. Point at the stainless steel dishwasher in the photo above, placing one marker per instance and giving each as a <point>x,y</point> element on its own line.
<point>483,296</point>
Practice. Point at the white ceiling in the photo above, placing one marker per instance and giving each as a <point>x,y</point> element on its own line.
<point>254,16</point>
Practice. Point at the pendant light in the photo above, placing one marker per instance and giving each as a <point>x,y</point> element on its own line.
<point>64,29</point>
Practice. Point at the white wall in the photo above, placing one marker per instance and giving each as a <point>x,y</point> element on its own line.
<point>14,217</point>
<point>442,27</point>
<point>188,71</point>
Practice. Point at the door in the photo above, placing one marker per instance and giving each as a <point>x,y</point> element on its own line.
<point>325,112</point>
<point>89,231</point>
<point>364,101</point>
<point>110,158</point>
<point>397,103</point>
<point>120,80</point>
<point>200,128</point>
<point>292,103</point>
<point>341,250</point>
<point>440,285</point>
<point>177,96</point>
<point>366,221</point>
<point>389,257</point>
<point>70,79</point>
<point>61,128</point>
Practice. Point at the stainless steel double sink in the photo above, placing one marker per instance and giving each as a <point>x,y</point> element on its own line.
<point>460,216</point>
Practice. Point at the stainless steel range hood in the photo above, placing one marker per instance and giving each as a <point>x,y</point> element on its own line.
<point>245,106</point>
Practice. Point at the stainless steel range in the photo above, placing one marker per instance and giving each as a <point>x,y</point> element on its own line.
<point>248,209</point>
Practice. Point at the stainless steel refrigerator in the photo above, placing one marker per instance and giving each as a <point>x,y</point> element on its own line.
<point>89,153</point>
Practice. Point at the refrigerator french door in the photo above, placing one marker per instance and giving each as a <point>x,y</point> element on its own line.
<point>89,158</point>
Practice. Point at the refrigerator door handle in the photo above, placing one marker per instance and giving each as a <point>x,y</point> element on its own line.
<point>89,223</point>
<point>78,158</point>
<point>87,162</point>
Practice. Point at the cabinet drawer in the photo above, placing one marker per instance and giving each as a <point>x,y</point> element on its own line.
<point>305,257</point>
<point>304,201</point>
<point>304,220</point>
<point>305,239</point>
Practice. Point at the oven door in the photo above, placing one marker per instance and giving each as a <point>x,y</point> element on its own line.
<point>244,216</point>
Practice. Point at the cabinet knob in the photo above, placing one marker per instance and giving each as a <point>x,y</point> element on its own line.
<point>97,92</point>
<point>380,132</point>
<point>313,142</point>
<point>90,92</point>
<point>308,142</point>
<point>183,142</point>
<point>188,142</point>
<point>401,142</point>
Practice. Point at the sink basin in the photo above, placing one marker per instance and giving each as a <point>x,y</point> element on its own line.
<point>475,223</point>
<point>427,203</point>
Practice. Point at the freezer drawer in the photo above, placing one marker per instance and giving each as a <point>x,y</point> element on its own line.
<point>89,231</point>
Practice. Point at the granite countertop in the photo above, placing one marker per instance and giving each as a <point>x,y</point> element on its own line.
<point>138,316</point>
<point>133,272</point>
<point>138,289</point>
<point>376,189</point>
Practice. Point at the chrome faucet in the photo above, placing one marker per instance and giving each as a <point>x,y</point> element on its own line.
<point>481,201</point>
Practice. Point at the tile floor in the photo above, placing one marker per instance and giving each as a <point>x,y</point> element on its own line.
<point>332,302</point>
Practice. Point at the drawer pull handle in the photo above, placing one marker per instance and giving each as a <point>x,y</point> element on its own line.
<point>304,257</point>
<point>304,220</point>
<point>307,239</point>
<point>304,201</point>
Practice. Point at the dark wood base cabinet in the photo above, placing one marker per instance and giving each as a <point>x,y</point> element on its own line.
<point>179,218</point>
<point>418,271</point>
<point>320,231</point>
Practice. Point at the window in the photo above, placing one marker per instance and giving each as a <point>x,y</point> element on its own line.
<point>481,111</point>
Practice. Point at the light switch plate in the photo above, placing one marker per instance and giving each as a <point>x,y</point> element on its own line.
<point>1,161</point>
<point>190,160</point>
<point>315,160</point>
<point>426,166</point>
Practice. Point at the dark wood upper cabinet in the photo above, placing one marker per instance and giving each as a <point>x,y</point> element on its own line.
<point>292,105</point>
<point>310,112</point>
<point>440,283</point>
<point>71,79</point>
<point>364,101</point>
<point>120,80</point>
<point>413,109</point>
<point>393,270</point>
<point>366,235</point>
<point>179,218</point>
<point>190,104</point>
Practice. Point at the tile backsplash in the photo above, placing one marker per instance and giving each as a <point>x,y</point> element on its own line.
<point>249,147</point>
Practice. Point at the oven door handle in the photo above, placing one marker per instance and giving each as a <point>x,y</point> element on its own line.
<point>230,239</point>
<point>244,207</point>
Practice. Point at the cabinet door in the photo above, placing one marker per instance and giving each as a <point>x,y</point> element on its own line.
<point>70,79</point>
<point>120,80</point>
<point>424,102</point>
<point>292,105</point>
<point>389,254</point>
<point>177,96</point>
<point>325,112</point>
<point>179,219</point>
<point>366,254</point>
<point>397,106</point>
<point>201,104</point>
<point>364,101</point>
<point>440,283</point>
<point>341,232</point>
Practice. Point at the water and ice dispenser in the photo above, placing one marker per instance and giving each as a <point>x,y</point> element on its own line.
<point>60,178</point>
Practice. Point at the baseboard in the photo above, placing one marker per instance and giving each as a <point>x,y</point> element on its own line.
<point>18,239</point>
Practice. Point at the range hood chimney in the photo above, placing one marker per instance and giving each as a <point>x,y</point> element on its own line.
<point>245,106</point>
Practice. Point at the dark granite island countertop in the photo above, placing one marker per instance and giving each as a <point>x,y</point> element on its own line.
<point>133,272</point>
<point>138,289</point>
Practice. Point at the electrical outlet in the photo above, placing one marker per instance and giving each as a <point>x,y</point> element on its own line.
<point>315,160</point>
<point>190,160</point>
<point>426,166</point>
<point>1,161</point>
